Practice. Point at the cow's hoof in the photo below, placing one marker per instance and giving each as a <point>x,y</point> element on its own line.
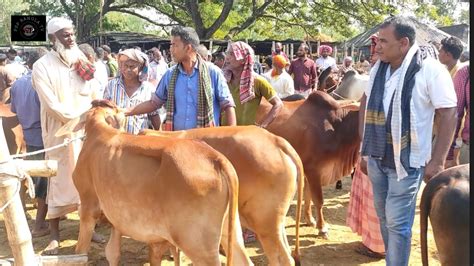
<point>339,185</point>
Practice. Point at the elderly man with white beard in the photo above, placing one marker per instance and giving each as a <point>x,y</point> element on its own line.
<point>64,81</point>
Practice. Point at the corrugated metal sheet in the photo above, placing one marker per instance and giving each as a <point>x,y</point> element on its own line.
<point>424,34</point>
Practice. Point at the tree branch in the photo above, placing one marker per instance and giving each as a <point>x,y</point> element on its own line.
<point>142,17</point>
<point>192,6</point>
<point>256,13</point>
<point>169,15</point>
<point>295,24</point>
<point>67,10</point>
<point>220,20</point>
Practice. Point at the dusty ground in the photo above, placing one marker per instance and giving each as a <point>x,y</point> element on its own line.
<point>338,250</point>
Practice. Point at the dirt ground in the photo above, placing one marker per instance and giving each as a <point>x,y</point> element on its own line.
<point>338,250</point>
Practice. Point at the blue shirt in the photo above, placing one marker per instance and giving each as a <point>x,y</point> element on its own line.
<point>25,103</point>
<point>186,95</point>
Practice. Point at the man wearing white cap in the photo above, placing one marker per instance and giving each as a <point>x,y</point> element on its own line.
<point>64,84</point>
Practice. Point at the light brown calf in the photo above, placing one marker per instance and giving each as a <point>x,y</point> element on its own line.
<point>269,171</point>
<point>155,190</point>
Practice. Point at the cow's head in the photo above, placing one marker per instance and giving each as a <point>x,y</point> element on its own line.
<point>114,116</point>
<point>352,86</point>
<point>102,110</point>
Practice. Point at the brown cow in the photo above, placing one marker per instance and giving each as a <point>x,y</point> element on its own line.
<point>269,170</point>
<point>156,190</point>
<point>445,200</point>
<point>12,129</point>
<point>326,137</point>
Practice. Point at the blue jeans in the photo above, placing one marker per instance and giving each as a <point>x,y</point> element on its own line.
<point>395,203</point>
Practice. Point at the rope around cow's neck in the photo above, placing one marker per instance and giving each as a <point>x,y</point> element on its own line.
<point>343,98</point>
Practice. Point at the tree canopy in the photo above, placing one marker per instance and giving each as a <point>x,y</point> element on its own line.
<point>232,19</point>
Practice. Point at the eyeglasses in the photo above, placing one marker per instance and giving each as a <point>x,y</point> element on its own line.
<point>129,66</point>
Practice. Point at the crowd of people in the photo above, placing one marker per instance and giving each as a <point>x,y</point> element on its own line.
<point>200,89</point>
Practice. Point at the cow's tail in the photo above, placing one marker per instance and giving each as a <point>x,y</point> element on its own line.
<point>231,178</point>
<point>430,190</point>
<point>290,151</point>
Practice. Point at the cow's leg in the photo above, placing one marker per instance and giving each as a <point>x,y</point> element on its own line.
<point>200,242</point>
<point>308,216</point>
<point>285,238</point>
<point>317,195</point>
<point>88,213</point>
<point>267,219</point>
<point>112,250</point>
<point>176,254</point>
<point>157,251</point>
<point>238,248</point>
<point>275,249</point>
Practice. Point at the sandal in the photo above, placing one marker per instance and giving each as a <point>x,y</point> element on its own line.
<point>363,250</point>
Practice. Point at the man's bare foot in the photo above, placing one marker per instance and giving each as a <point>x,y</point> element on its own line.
<point>52,248</point>
<point>98,238</point>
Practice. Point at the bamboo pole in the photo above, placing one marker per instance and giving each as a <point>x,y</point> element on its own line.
<point>69,260</point>
<point>43,168</point>
<point>18,233</point>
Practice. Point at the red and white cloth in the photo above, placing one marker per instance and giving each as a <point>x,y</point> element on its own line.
<point>361,215</point>
<point>242,51</point>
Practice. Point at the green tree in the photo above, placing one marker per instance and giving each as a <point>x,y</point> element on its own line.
<point>243,19</point>
<point>8,8</point>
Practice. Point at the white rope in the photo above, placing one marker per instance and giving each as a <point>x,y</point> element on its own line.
<point>64,144</point>
<point>333,92</point>
<point>13,168</point>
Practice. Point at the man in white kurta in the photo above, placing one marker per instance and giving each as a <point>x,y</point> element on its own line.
<point>63,95</point>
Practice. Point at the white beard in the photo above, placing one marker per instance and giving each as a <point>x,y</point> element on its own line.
<point>70,55</point>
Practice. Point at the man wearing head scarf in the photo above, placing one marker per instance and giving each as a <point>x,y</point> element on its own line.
<point>131,87</point>
<point>193,91</point>
<point>247,87</point>
<point>325,60</point>
<point>280,80</point>
<point>63,79</point>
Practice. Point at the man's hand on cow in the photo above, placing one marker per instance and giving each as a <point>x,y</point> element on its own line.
<point>432,169</point>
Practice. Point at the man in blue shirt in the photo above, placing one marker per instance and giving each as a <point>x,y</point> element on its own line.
<point>26,105</point>
<point>188,88</point>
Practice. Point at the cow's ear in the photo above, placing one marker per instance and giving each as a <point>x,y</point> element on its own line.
<point>74,125</point>
<point>354,106</point>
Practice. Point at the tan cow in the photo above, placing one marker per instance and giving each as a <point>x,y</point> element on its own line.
<point>156,190</point>
<point>12,129</point>
<point>269,172</point>
<point>325,135</point>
